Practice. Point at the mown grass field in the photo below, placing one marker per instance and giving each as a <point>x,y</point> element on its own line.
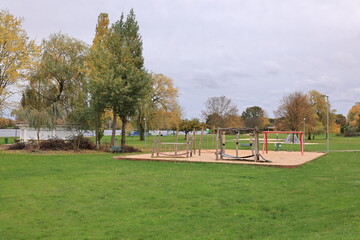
<point>10,140</point>
<point>92,196</point>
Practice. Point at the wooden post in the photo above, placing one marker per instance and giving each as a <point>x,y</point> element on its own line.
<point>256,142</point>
<point>237,143</point>
<point>217,145</point>
<point>302,143</point>
<point>222,141</point>
<point>263,148</point>
<point>194,141</point>
<point>158,145</point>
<point>176,140</point>
<point>187,145</point>
<point>152,148</point>
<point>252,143</point>
<point>201,140</point>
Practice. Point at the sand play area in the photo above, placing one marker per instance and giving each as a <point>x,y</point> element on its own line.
<point>277,158</point>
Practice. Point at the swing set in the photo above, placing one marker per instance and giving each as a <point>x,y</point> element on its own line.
<point>266,139</point>
<point>253,144</point>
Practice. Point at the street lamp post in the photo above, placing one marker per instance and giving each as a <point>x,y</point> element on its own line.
<point>327,124</point>
<point>145,132</point>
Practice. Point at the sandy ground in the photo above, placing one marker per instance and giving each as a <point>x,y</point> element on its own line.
<point>278,159</point>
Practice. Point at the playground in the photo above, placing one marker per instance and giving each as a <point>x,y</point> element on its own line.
<point>278,158</point>
<point>230,145</point>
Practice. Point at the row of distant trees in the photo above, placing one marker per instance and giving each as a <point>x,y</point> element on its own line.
<point>67,82</point>
<point>297,112</point>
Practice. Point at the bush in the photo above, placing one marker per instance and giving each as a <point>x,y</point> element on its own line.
<point>62,145</point>
<point>82,142</point>
<point>130,149</point>
<point>55,144</point>
<point>17,146</point>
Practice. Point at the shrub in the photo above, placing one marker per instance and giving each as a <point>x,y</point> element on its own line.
<point>130,149</point>
<point>55,144</point>
<point>17,146</point>
<point>81,142</point>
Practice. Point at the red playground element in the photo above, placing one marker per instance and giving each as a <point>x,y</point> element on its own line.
<point>266,133</point>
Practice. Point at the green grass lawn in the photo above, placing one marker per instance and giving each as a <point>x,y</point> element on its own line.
<point>83,196</point>
<point>10,140</point>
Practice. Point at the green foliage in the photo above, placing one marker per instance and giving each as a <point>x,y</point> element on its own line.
<point>255,117</point>
<point>61,70</point>
<point>340,119</point>
<point>189,125</point>
<point>116,67</point>
<point>96,197</point>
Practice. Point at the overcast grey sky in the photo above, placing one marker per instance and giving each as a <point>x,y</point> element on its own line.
<point>253,51</point>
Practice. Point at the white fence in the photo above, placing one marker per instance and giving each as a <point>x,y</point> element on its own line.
<point>25,133</point>
<point>9,132</point>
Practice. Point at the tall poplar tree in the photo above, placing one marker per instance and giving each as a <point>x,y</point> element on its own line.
<point>97,64</point>
<point>119,66</point>
<point>133,80</point>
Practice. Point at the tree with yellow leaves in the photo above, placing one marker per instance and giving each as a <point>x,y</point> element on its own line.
<point>159,108</point>
<point>320,107</point>
<point>15,52</point>
<point>354,117</point>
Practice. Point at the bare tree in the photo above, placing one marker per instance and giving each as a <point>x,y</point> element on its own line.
<point>218,109</point>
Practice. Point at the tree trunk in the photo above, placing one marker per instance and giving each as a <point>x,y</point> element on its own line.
<point>97,136</point>
<point>123,131</point>
<point>38,138</point>
<point>78,142</point>
<point>142,132</point>
<point>113,128</point>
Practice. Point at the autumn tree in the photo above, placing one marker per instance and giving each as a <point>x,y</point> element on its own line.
<point>159,107</point>
<point>354,117</point>
<point>233,120</point>
<point>15,52</point>
<point>96,62</point>
<point>218,109</point>
<point>255,117</point>
<point>5,123</point>
<point>292,111</point>
<point>321,107</point>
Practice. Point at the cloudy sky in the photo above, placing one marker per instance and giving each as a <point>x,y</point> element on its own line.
<point>253,51</point>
